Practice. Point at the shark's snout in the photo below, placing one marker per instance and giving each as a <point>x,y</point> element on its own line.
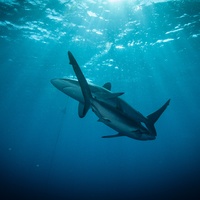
<point>59,83</point>
<point>55,81</point>
<point>62,83</point>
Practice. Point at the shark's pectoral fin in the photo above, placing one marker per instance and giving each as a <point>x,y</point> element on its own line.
<point>112,136</point>
<point>83,84</point>
<point>82,111</point>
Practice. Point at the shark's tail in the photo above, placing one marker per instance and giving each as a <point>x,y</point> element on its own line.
<point>83,109</point>
<point>152,118</point>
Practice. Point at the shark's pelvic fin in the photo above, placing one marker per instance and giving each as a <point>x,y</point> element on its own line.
<point>107,86</point>
<point>112,136</point>
<point>83,84</point>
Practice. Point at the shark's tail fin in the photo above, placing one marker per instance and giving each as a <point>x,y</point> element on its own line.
<point>83,84</point>
<point>152,118</point>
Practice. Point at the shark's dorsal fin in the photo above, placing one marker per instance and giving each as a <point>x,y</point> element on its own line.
<point>107,86</point>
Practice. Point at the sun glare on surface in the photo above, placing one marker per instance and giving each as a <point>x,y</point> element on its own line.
<point>119,2</point>
<point>115,1</point>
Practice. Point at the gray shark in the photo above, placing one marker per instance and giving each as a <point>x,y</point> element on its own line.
<point>108,106</point>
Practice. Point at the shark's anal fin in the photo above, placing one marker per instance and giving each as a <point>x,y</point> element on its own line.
<point>112,136</point>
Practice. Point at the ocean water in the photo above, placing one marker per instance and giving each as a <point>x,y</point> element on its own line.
<point>148,49</point>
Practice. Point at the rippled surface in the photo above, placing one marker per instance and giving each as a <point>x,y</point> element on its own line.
<point>148,49</point>
<point>102,27</point>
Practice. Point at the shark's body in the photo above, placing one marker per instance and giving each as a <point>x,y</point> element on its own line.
<point>109,108</point>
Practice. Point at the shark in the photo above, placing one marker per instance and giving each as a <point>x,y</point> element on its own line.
<point>110,109</point>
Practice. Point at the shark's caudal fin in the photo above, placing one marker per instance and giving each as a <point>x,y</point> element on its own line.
<point>83,84</point>
<point>152,118</point>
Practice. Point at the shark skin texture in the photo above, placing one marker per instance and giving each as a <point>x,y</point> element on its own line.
<point>108,106</point>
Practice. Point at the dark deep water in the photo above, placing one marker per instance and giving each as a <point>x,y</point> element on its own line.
<point>151,51</point>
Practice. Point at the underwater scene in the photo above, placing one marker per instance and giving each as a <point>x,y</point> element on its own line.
<point>99,99</point>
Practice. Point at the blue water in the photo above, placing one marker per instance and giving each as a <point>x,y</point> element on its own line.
<point>149,50</point>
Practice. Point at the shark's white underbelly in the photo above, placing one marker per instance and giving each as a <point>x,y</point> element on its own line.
<point>119,122</point>
<point>115,120</point>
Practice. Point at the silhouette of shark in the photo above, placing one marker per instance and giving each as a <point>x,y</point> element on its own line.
<point>109,108</point>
